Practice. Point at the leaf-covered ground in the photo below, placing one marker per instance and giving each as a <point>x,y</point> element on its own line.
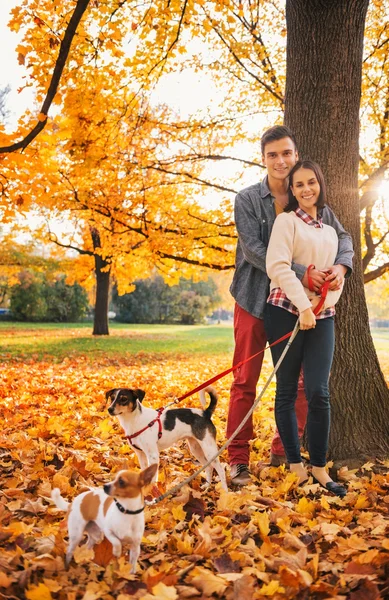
<point>270,539</point>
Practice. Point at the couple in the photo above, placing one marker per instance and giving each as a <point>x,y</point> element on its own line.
<point>305,233</point>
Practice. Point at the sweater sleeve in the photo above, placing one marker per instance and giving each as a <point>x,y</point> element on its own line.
<point>345,248</point>
<point>279,262</point>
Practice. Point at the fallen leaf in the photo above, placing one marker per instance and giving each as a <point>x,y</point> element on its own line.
<point>103,553</point>
<point>38,592</point>
<point>224,564</point>
<point>194,506</point>
<point>207,582</point>
<point>271,588</point>
<point>367,590</point>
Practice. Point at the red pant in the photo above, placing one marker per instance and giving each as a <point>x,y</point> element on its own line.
<point>250,337</point>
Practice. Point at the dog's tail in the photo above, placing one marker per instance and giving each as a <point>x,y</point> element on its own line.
<point>59,502</point>
<point>212,405</point>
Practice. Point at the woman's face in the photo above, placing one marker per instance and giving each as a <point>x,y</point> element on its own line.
<point>306,189</point>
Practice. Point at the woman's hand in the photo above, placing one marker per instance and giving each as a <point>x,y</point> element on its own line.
<point>307,319</point>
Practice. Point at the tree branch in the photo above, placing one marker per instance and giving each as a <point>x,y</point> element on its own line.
<point>378,272</point>
<point>196,179</point>
<point>56,77</point>
<point>191,261</point>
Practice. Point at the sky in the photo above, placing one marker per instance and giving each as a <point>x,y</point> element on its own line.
<point>10,71</point>
<point>185,92</point>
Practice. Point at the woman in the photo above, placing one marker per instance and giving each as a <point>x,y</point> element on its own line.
<point>299,236</point>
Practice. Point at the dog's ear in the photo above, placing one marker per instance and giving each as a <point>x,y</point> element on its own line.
<point>140,394</point>
<point>146,475</point>
<point>110,393</point>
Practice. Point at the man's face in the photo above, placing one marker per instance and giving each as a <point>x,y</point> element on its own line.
<point>279,158</point>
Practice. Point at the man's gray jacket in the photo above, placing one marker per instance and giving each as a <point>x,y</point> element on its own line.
<point>254,218</point>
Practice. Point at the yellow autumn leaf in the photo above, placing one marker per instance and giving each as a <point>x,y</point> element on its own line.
<point>164,592</point>
<point>124,569</point>
<point>207,582</point>
<point>178,513</point>
<point>83,554</point>
<point>385,543</point>
<point>38,592</point>
<point>287,483</point>
<point>305,507</point>
<point>42,117</point>
<point>53,586</point>
<point>5,581</point>
<point>19,528</point>
<point>367,557</point>
<point>261,519</point>
<point>357,543</point>
<point>271,588</point>
<point>185,543</point>
<point>362,501</point>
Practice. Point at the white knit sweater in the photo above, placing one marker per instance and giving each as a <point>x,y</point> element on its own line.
<point>293,240</point>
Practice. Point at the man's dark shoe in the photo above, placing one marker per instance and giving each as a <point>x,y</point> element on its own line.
<point>276,460</point>
<point>240,474</point>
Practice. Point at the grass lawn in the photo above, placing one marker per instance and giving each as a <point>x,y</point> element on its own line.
<point>56,341</point>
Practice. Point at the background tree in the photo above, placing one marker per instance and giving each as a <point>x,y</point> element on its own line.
<point>154,301</point>
<point>36,298</point>
<point>16,257</point>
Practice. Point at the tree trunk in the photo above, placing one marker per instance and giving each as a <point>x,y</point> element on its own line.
<point>323,88</point>
<point>100,323</point>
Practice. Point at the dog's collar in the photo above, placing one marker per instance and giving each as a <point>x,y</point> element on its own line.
<point>126,511</point>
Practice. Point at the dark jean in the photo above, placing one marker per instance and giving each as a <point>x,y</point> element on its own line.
<point>313,349</point>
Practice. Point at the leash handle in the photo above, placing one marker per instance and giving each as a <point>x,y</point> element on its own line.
<point>310,284</point>
<point>323,290</point>
<point>323,295</point>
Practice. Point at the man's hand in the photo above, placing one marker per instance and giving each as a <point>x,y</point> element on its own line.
<point>335,275</point>
<point>317,279</point>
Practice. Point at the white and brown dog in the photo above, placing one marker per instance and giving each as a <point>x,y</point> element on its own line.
<point>149,431</point>
<point>115,511</point>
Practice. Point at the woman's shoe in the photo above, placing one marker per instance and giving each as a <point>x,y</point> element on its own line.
<point>333,487</point>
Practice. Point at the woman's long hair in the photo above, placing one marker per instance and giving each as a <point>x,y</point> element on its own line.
<point>306,164</point>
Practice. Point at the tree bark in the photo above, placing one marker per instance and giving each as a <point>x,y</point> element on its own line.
<point>323,89</point>
<point>102,270</point>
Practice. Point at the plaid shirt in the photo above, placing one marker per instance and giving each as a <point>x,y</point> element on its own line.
<point>277,296</point>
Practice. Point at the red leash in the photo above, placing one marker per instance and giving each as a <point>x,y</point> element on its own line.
<point>323,294</point>
<point>323,290</point>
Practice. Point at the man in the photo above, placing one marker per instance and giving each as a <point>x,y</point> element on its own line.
<point>256,208</point>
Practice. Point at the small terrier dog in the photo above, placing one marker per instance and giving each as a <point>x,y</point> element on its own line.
<point>115,510</point>
<point>157,430</point>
